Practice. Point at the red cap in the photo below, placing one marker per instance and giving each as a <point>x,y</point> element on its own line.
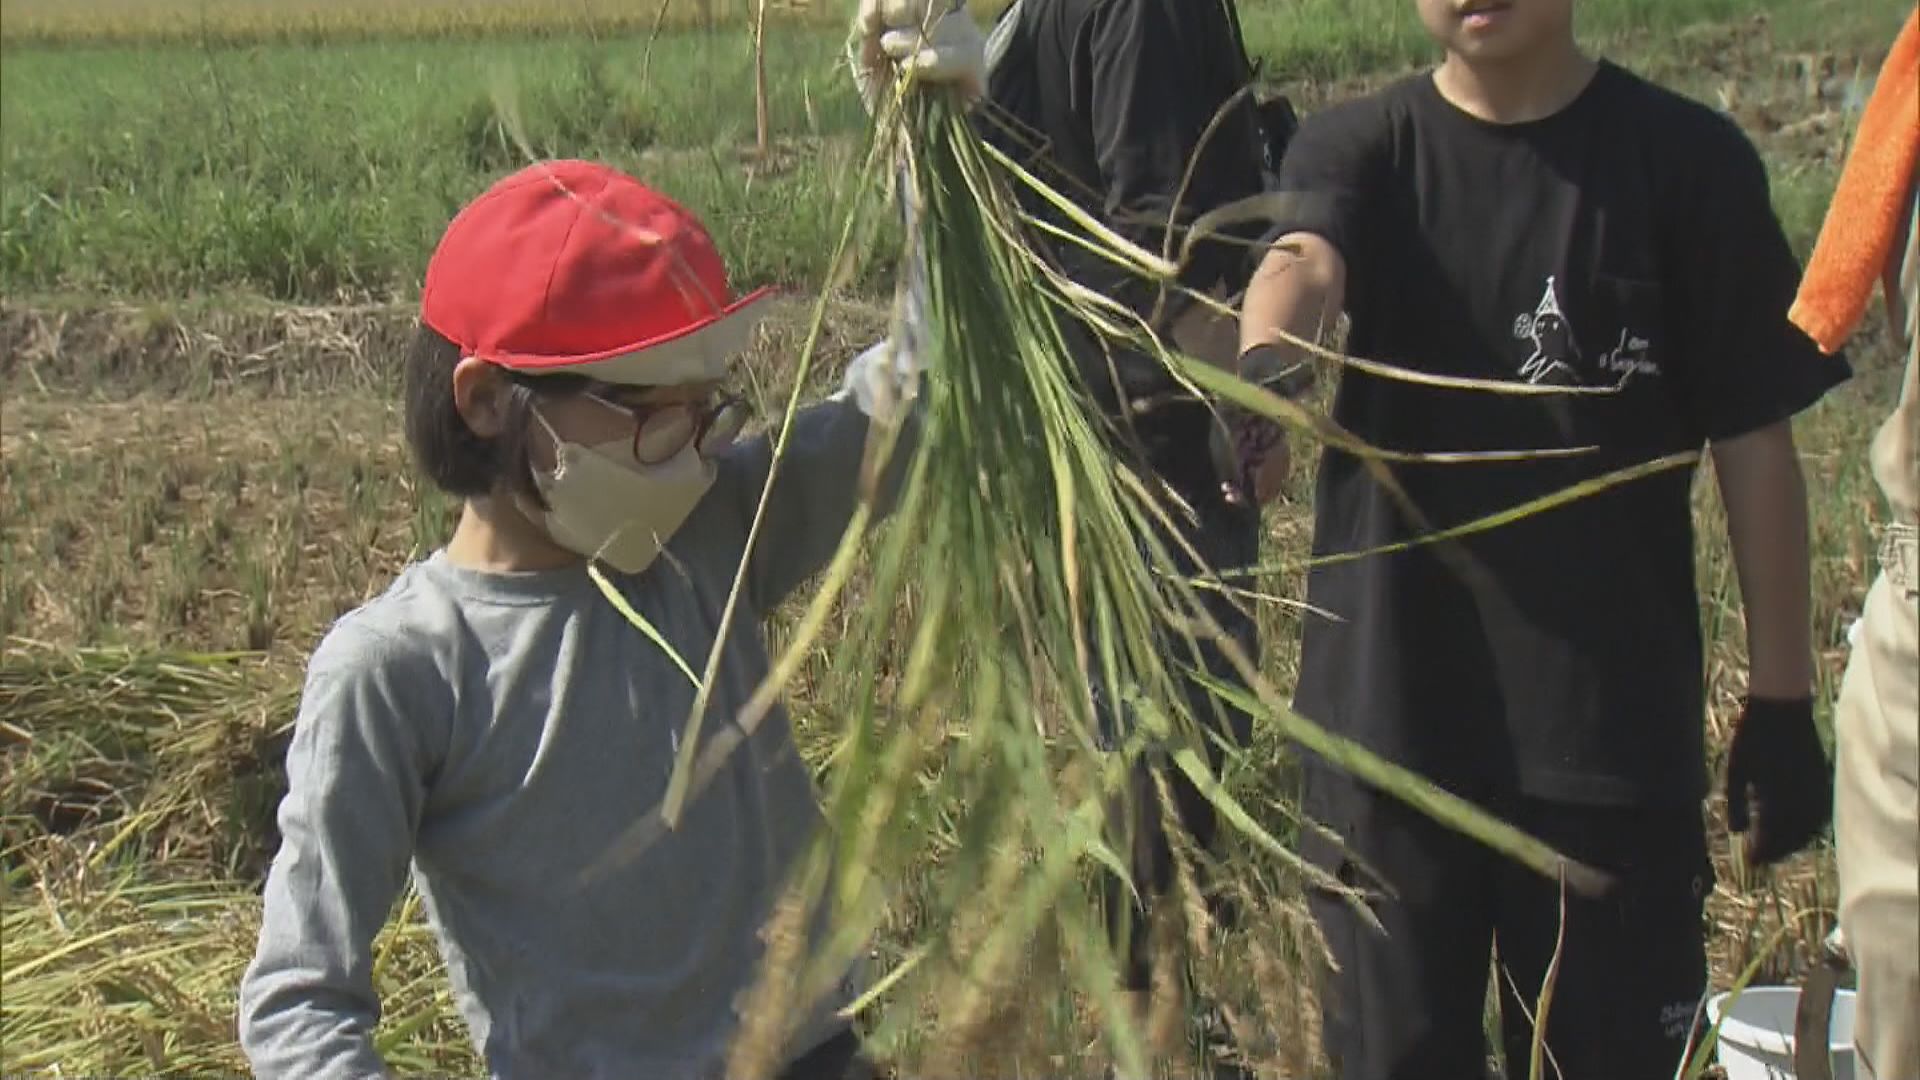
<point>570,266</point>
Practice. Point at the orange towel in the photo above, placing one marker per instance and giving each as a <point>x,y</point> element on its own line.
<point>1870,205</point>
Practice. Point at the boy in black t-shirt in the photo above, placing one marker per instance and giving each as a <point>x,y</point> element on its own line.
<point>1528,215</point>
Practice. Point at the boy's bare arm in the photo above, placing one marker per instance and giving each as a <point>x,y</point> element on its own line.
<point>1766,501</point>
<point>1298,289</point>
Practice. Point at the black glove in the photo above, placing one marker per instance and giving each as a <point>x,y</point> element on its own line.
<point>1779,783</point>
<point>1241,442</point>
<point>1244,439</point>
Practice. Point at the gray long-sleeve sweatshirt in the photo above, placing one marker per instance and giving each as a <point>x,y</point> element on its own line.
<point>495,734</point>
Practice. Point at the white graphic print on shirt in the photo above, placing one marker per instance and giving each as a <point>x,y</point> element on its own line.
<point>1554,349</point>
<point>1555,357</point>
<point>1628,357</point>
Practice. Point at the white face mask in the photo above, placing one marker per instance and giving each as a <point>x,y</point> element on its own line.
<point>603,504</point>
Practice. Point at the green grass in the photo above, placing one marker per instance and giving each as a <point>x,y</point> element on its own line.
<point>328,174</point>
<point>323,174</point>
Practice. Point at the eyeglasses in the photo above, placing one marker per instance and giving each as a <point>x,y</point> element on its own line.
<point>663,429</point>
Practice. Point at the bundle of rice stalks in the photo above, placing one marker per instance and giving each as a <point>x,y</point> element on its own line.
<point>110,976</point>
<point>119,979</point>
<point>1048,579</point>
<point>974,777</point>
<point>172,757</point>
<point>137,791</point>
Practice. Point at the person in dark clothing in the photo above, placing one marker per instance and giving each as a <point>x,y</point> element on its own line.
<point>1528,215</point>
<point>1142,112</point>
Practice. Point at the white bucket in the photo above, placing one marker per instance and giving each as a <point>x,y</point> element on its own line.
<point>1756,1032</point>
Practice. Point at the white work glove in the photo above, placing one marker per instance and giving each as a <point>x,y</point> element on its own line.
<point>903,36</point>
<point>885,378</point>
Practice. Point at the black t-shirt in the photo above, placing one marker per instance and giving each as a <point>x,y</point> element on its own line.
<point>1626,242</point>
<point>1113,103</point>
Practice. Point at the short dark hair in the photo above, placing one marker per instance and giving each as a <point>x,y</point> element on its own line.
<point>459,461</point>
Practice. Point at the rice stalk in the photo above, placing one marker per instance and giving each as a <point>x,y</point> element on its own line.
<point>1539,1054</point>
<point>1539,505</point>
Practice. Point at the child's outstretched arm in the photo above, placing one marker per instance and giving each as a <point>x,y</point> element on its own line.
<point>1300,285</point>
<point>1298,290</point>
<point>819,482</point>
<point>356,786</point>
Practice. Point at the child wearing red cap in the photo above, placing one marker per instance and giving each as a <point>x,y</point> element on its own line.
<point>494,726</point>
<point>494,721</point>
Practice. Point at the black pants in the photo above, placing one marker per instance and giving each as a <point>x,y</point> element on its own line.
<point>1410,1003</point>
<point>1225,538</point>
